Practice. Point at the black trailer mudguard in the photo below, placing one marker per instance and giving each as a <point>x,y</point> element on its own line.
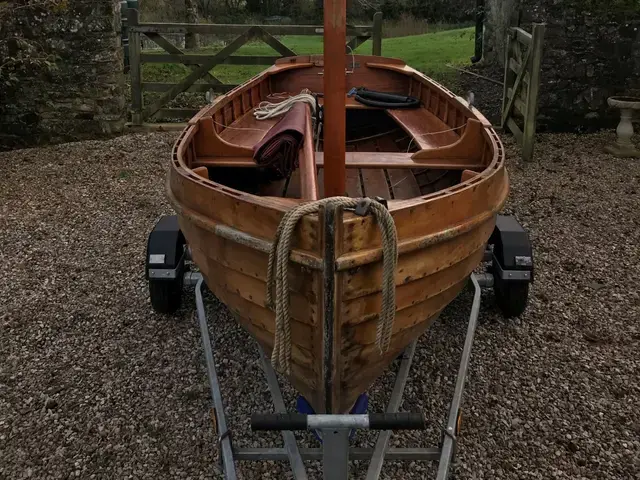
<point>165,250</point>
<point>512,248</point>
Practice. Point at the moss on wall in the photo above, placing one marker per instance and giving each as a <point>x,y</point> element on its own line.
<point>64,80</point>
<point>591,51</point>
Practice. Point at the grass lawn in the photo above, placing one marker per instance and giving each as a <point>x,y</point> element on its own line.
<point>428,53</point>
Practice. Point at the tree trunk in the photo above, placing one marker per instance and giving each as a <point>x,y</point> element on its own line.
<point>191,39</point>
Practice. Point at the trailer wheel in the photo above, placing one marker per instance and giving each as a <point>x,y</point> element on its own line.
<point>165,265</point>
<point>165,296</point>
<point>511,297</point>
<point>511,266</point>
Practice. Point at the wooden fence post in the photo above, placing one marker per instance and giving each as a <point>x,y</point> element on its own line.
<point>191,40</point>
<point>124,35</point>
<point>134,67</point>
<point>529,131</point>
<point>376,37</point>
<point>509,76</point>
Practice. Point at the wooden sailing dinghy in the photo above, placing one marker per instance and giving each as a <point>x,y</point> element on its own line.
<point>439,166</point>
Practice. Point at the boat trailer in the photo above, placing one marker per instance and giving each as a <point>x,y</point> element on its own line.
<point>510,272</point>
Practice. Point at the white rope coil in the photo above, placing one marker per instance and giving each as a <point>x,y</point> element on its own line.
<point>267,110</point>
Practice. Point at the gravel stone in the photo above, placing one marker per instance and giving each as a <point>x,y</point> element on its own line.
<point>94,384</point>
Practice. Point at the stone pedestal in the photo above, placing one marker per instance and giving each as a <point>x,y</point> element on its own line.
<point>623,147</point>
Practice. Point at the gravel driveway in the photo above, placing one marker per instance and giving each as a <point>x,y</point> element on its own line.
<point>93,384</point>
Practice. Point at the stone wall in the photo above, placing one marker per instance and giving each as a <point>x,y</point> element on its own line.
<point>82,96</point>
<point>499,15</point>
<point>592,51</point>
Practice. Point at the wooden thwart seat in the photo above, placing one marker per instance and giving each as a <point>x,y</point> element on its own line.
<point>468,147</point>
<point>427,130</point>
<point>246,131</point>
<point>393,160</point>
<point>351,104</point>
<point>365,160</point>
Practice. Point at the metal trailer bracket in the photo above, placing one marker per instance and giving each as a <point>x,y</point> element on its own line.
<point>335,451</point>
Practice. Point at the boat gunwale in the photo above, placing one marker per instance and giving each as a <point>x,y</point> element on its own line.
<point>345,261</point>
<point>351,259</point>
<point>488,133</point>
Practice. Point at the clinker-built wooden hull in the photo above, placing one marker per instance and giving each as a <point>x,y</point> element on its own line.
<point>229,217</point>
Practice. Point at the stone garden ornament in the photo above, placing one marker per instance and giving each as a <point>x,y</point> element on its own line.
<point>623,147</point>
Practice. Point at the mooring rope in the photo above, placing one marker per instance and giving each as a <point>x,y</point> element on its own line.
<point>278,280</point>
<point>267,110</point>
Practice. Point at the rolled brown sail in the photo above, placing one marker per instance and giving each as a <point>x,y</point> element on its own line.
<point>279,148</point>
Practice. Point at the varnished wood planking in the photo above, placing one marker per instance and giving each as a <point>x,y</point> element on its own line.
<point>351,104</point>
<point>471,206</point>
<point>362,159</point>
<point>362,365</point>
<point>223,205</point>
<point>296,80</point>
<point>306,157</point>
<point>365,333</point>
<point>320,181</point>
<point>294,189</point>
<point>433,94</point>
<point>403,184</point>
<point>368,307</point>
<point>335,323</point>
<point>264,320</point>
<point>375,183</point>
<point>254,290</point>
<point>426,128</point>
<point>356,357</point>
<point>468,175</point>
<point>260,323</point>
<point>245,130</point>
<point>427,217</point>
<point>247,261</point>
<point>469,147</point>
<point>318,398</point>
<point>353,185</point>
<point>246,213</point>
<point>417,264</point>
<point>202,171</point>
<point>277,188</point>
<point>303,379</point>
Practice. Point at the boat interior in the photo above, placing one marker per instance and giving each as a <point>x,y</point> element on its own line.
<point>393,153</point>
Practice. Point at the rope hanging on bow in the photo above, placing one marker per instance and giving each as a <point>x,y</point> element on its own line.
<point>278,280</point>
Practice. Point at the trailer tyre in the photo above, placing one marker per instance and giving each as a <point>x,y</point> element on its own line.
<point>165,264</point>
<point>512,265</point>
<point>511,297</point>
<point>166,296</point>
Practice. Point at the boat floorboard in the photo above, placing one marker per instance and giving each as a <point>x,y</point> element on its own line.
<point>390,184</point>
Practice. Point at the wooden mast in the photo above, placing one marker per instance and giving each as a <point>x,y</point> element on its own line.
<point>335,92</point>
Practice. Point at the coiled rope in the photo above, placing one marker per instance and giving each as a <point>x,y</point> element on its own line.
<point>278,280</point>
<point>267,110</point>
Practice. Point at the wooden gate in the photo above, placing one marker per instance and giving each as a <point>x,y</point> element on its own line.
<point>523,57</point>
<point>201,65</point>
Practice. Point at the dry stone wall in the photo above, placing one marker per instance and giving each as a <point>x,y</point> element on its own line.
<point>82,95</point>
<point>592,51</point>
